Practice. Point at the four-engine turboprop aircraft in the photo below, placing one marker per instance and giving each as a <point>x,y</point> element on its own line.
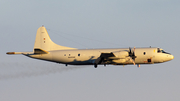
<point>46,49</point>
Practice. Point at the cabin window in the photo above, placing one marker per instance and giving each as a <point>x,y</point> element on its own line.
<point>64,54</point>
<point>78,54</point>
<point>144,53</point>
<point>69,54</point>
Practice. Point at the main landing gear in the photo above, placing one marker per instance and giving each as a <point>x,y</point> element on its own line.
<point>95,65</point>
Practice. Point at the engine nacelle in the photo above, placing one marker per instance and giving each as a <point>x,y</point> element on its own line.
<point>121,54</point>
<point>119,61</point>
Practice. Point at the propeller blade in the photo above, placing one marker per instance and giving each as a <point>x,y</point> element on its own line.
<point>132,61</point>
<point>129,50</point>
<point>134,52</point>
<point>132,55</point>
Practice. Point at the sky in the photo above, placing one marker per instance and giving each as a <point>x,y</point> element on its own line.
<point>88,24</point>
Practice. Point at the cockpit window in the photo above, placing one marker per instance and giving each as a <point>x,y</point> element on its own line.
<point>161,51</point>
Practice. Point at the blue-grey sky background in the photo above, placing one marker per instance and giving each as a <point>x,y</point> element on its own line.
<point>89,24</point>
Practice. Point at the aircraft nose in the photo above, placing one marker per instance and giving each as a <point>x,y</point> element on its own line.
<point>170,57</point>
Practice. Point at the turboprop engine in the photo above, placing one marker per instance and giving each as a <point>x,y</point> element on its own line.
<point>124,56</point>
<point>121,56</point>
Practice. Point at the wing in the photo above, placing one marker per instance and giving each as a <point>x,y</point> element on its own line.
<point>118,57</point>
<point>103,57</point>
<point>108,57</point>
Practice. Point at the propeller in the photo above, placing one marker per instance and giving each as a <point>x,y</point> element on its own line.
<point>132,55</point>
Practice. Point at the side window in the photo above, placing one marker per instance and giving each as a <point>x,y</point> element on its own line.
<point>78,54</point>
<point>144,53</point>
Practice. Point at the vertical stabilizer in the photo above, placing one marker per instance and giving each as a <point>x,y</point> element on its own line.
<point>44,42</point>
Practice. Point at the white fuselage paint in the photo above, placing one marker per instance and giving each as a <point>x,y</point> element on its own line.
<point>46,49</point>
<point>88,56</point>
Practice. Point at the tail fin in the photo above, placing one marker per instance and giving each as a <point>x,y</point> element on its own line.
<point>43,41</point>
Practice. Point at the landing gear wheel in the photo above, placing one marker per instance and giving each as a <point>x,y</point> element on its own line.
<point>95,65</point>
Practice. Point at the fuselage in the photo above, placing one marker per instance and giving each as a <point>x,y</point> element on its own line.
<point>88,56</point>
<point>46,49</point>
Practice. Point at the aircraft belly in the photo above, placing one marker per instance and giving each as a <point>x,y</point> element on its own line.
<point>73,58</point>
<point>47,57</point>
<point>61,59</point>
